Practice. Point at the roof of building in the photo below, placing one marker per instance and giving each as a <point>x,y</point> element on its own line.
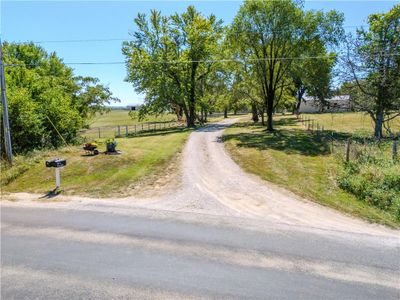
<point>334,98</point>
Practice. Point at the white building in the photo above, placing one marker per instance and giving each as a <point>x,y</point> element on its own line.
<point>335,104</point>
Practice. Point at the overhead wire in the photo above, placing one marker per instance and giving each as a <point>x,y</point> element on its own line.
<point>202,61</point>
<point>127,38</point>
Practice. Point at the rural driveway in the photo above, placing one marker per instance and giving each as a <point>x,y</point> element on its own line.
<point>223,234</point>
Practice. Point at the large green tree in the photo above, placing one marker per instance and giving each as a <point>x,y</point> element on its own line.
<point>272,35</point>
<point>169,58</point>
<point>45,99</point>
<point>374,62</point>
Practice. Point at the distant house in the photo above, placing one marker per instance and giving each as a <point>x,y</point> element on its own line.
<point>133,107</point>
<point>339,103</point>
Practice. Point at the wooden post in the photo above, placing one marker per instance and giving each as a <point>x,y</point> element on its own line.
<point>99,131</point>
<point>394,149</point>
<point>119,131</point>
<point>135,128</point>
<point>348,150</point>
<point>126,130</point>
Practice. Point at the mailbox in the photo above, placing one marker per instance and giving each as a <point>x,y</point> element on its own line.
<point>56,163</point>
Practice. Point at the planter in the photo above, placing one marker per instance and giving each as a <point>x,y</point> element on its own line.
<point>111,145</point>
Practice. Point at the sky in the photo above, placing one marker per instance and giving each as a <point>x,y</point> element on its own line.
<point>56,23</point>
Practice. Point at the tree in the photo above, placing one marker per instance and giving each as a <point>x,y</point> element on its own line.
<point>374,63</point>
<point>91,96</point>
<point>169,58</point>
<point>273,34</point>
<point>312,76</point>
<point>45,99</point>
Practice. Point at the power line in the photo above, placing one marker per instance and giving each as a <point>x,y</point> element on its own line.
<point>127,38</point>
<point>80,41</point>
<point>199,61</point>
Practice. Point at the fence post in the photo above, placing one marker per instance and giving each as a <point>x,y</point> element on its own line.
<point>348,149</point>
<point>135,128</point>
<point>126,130</point>
<point>98,128</point>
<point>394,150</point>
<point>119,131</point>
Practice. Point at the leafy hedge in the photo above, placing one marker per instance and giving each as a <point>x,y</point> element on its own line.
<point>374,179</point>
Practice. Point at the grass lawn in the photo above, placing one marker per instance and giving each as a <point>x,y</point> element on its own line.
<point>121,117</point>
<point>300,162</point>
<point>350,122</point>
<point>143,159</point>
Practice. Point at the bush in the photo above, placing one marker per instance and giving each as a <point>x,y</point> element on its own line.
<point>373,178</point>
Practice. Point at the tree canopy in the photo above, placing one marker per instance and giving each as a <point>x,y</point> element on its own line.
<point>169,59</point>
<point>274,35</point>
<point>44,97</point>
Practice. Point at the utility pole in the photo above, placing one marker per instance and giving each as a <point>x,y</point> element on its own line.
<point>6,124</point>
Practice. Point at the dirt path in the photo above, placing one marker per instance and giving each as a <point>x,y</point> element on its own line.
<point>213,184</point>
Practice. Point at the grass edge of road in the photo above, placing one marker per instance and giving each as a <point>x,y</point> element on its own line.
<point>312,177</point>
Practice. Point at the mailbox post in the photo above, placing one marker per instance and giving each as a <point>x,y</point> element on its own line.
<point>57,164</point>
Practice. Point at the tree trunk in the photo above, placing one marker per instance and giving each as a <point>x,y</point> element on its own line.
<point>225,113</point>
<point>270,110</point>
<point>190,121</point>
<point>192,104</point>
<point>180,113</point>
<point>378,125</point>
<point>254,112</point>
<point>202,115</point>
<point>262,117</point>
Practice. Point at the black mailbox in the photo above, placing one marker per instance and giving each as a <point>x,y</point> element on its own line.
<point>56,163</point>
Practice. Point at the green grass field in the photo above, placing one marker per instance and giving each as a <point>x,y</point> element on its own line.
<point>300,162</point>
<point>142,162</point>
<point>121,117</point>
<point>350,122</point>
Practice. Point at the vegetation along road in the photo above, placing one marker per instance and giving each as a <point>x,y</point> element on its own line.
<point>221,234</point>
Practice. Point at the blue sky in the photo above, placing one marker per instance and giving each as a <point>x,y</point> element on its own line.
<point>78,20</point>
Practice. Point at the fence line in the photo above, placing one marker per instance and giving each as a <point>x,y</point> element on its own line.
<point>314,127</point>
<point>126,130</point>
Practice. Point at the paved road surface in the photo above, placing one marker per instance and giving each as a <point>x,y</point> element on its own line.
<point>52,253</point>
<point>256,242</point>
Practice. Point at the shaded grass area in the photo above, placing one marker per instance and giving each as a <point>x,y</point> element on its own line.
<point>144,158</point>
<point>299,162</point>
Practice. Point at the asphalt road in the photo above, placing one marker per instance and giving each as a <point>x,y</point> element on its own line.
<point>60,253</point>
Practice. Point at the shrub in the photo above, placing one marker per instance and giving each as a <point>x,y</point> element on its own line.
<point>372,177</point>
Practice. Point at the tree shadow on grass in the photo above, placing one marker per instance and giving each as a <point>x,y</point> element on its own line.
<point>288,121</point>
<point>158,132</point>
<point>294,141</point>
<point>289,140</point>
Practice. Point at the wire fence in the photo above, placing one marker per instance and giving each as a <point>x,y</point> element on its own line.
<point>349,145</point>
<point>119,131</point>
